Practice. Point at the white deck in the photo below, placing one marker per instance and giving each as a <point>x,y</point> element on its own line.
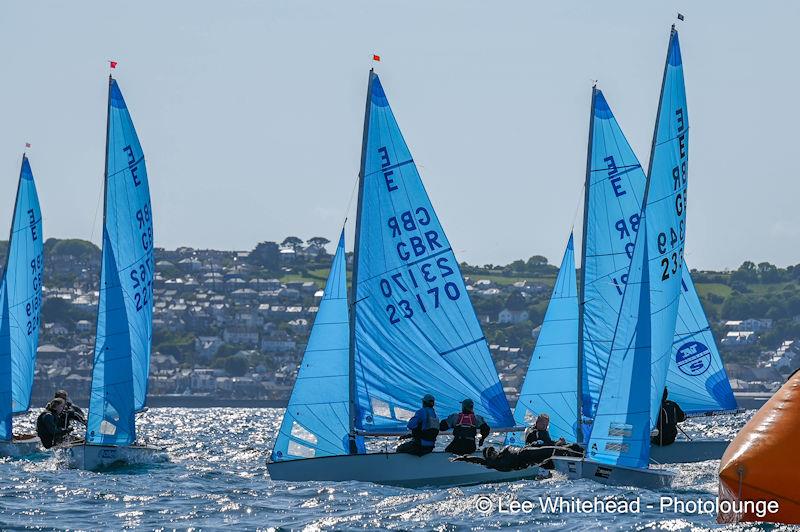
<point>396,469</point>
<point>576,468</point>
<point>96,457</point>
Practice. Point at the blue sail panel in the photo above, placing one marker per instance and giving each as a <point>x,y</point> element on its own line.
<point>416,331</point>
<point>22,279</point>
<point>696,378</point>
<point>615,189</point>
<point>124,322</point>
<point>5,372</point>
<point>551,383</point>
<point>316,421</point>
<point>665,211</point>
<point>620,434</point>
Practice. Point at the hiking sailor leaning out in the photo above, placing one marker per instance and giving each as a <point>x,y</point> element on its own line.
<point>424,427</point>
<point>465,425</point>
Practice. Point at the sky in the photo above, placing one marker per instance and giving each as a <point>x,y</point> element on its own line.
<point>250,114</point>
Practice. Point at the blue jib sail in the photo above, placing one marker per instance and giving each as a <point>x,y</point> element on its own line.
<point>21,295</point>
<point>124,318</point>
<point>316,421</point>
<point>551,382</point>
<point>621,431</point>
<point>415,329</point>
<point>665,211</point>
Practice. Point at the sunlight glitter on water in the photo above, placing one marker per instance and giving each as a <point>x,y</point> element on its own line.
<point>217,478</point>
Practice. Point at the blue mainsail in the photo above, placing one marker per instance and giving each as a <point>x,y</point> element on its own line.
<point>616,182</point>
<point>551,381</point>
<point>621,430</point>
<point>415,331</point>
<point>665,209</point>
<point>316,421</point>
<point>21,300</point>
<point>124,318</point>
<point>614,190</point>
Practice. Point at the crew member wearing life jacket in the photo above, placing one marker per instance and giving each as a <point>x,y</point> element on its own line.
<point>424,427</point>
<point>47,424</point>
<point>70,413</point>
<point>465,425</point>
<point>668,419</point>
<point>538,435</point>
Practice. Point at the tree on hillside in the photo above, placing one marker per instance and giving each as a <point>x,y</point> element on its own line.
<point>292,241</point>
<point>237,365</point>
<point>515,301</point>
<point>82,249</point>
<point>537,261</point>
<point>518,266</point>
<point>266,255</point>
<point>768,273</point>
<point>318,241</point>
<point>746,273</point>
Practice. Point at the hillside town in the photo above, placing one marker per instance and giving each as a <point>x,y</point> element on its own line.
<point>232,326</point>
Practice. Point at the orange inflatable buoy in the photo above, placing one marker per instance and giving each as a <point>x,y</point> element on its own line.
<point>760,465</point>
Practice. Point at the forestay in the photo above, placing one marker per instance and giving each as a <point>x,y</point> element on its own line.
<point>20,300</point>
<point>415,331</point>
<point>124,319</point>
<point>316,421</point>
<point>550,384</point>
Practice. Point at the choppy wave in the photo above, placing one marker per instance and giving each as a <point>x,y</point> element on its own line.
<point>217,478</point>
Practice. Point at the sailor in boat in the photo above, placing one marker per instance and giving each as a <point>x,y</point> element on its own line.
<point>465,425</point>
<point>512,458</point>
<point>668,419</point>
<point>424,427</point>
<point>70,413</point>
<point>47,424</point>
<point>538,434</point>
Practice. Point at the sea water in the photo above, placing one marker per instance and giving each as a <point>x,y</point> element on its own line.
<point>217,479</point>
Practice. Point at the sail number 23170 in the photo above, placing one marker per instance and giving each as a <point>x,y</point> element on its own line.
<point>422,290</point>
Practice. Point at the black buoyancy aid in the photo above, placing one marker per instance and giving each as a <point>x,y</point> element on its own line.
<point>428,429</point>
<point>43,431</point>
<point>466,426</point>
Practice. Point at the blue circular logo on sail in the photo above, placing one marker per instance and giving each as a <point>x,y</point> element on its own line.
<point>693,358</point>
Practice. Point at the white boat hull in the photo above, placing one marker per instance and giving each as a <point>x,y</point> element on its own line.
<point>95,457</point>
<point>396,469</point>
<point>576,468</point>
<point>689,451</point>
<point>18,448</point>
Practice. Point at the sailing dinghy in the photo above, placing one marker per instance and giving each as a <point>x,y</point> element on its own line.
<point>409,329</point>
<point>21,302</point>
<point>618,450</point>
<point>696,377</point>
<point>125,310</point>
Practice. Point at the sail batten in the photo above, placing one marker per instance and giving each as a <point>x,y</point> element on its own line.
<point>124,317</point>
<point>21,301</point>
<point>414,328</point>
